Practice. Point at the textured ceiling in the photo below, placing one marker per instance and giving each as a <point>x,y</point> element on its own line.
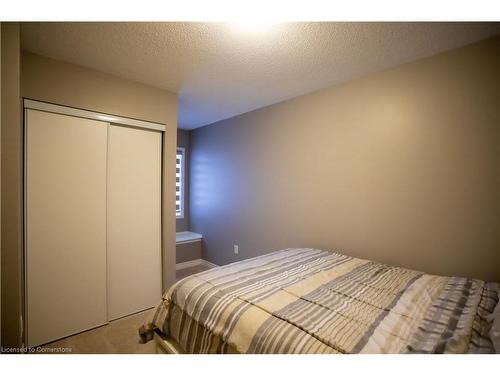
<point>219,71</point>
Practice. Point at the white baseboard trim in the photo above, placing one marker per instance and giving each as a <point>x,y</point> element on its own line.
<point>193,263</point>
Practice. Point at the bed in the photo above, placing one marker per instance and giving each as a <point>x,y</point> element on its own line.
<point>314,301</point>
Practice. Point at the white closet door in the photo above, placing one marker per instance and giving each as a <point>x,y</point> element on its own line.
<point>65,225</point>
<point>134,220</point>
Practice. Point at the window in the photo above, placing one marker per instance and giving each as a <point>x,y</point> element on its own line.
<point>179,183</point>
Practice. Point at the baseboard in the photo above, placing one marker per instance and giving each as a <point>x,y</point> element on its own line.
<point>193,263</point>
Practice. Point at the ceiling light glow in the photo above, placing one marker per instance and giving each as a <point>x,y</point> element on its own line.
<point>254,27</point>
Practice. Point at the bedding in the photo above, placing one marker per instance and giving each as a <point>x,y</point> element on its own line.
<point>314,301</point>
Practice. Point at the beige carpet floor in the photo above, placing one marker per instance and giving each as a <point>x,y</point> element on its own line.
<point>117,337</point>
<point>190,271</point>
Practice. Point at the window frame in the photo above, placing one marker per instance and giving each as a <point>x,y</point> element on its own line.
<point>182,181</point>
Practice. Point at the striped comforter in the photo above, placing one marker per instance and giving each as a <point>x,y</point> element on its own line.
<point>313,301</point>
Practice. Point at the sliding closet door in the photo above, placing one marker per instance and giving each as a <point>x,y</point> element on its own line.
<point>65,225</point>
<point>134,220</point>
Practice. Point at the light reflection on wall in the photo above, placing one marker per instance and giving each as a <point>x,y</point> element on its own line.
<point>208,182</point>
<point>201,188</point>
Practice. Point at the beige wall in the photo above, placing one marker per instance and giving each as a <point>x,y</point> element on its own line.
<point>188,251</point>
<point>183,141</point>
<point>67,84</point>
<point>11,199</point>
<point>401,167</point>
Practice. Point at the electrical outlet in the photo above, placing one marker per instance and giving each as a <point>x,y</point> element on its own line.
<point>236,249</point>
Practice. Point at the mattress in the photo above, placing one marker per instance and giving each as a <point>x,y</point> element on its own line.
<point>314,301</point>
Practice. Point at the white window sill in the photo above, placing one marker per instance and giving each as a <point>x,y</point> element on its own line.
<point>187,237</point>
